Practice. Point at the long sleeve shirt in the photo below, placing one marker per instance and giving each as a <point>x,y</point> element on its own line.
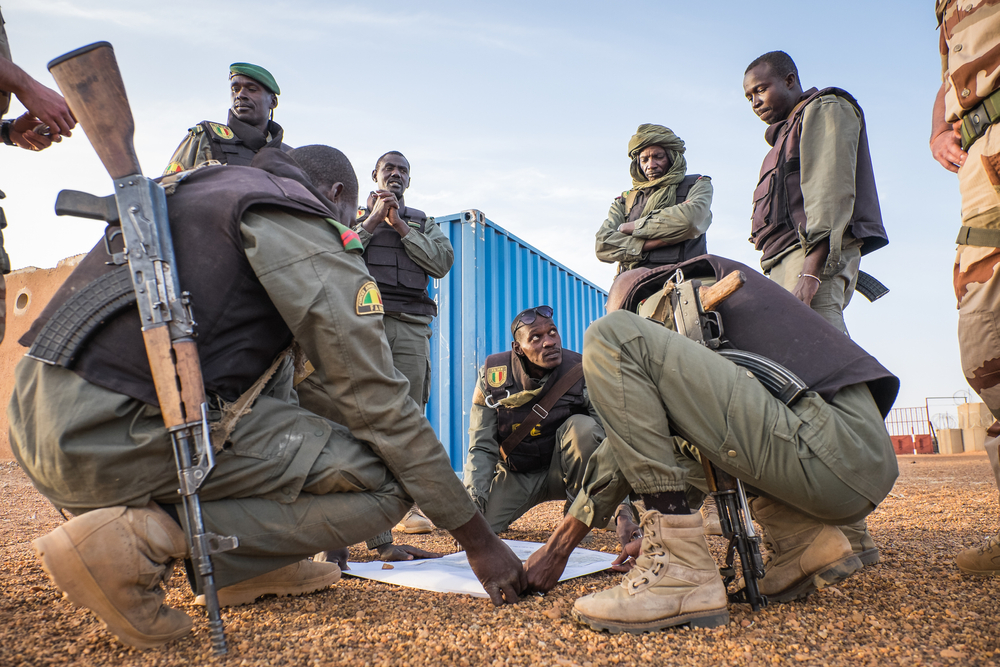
<point>484,432</point>
<point>674,224</point>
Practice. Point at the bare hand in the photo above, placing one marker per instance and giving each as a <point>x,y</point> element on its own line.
<point>379,208</point>
<point>26,132</point>
<point>338,556</point>
<point>498,569</point>
<point>806,289</point>
<point>543,568</point>
<point>48,106</point>
<point>397,222</point>
<point>627,228</point>
<point>626,559</point>
<point>396,552</point>
<point>626,529</point>
<point>946,148</point>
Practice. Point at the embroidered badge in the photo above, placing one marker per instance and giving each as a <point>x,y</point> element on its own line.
<point>222,131</point>
<point>369,300</point>
<point>173,168</point>
<point>496,376</point>
<point>535,432</point>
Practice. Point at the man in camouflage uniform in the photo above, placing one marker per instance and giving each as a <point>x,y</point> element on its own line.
<point>44,107</point>
<point>811,242</point>
<point>664,217</point>
<point>404,249</point>
<point>268,260</point>
<point>548,461</point>
<point>251,127</point>
<point>965,140</point>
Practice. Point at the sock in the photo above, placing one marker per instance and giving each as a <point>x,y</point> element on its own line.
<point>667,502</point>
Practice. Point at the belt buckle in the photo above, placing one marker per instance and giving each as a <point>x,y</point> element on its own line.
<point>975,123</point>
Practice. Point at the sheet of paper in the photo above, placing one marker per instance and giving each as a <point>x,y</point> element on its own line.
<point>452,574</point>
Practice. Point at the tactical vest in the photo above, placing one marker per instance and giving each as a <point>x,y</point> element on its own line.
<point>242,142</point>
<point>534,453</point>
<point>678,252</point>
<point>239,330</point>
<point>402,282</point>
<point>779,212</point>
<point>765,318</point>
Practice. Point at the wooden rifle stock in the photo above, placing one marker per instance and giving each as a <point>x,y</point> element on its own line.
<point>92,85</point>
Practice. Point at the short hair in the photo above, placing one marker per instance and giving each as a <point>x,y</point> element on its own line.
<point>325,166</point>
<point>781,64</point>
<point>378,163</point>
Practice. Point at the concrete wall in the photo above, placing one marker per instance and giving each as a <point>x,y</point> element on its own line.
<point>28,291</point>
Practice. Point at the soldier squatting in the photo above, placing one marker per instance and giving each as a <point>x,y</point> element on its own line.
<point>298,276</point>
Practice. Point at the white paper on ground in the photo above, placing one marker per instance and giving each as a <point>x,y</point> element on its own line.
<point>452,573</point>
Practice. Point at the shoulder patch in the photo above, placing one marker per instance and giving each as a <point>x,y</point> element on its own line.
<point>173,168</point>
<point>496,376</point>
<point>369,301</point>
<point>222,130</point>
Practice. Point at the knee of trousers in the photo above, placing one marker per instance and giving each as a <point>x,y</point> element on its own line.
<point>580,436</point>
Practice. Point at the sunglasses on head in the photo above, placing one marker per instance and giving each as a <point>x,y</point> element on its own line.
<point>529,315</point>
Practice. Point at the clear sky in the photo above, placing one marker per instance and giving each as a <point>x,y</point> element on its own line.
<point>524,110</point>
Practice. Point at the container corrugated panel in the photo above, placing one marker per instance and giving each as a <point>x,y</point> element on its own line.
<point>495,276</point>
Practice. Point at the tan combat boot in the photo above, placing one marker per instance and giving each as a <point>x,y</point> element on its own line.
<point>983,561</point>
<point>862,543</point>
<point>113,561</point>
<point>803,555</point>
<point>414,523</point>
<point>710,514</point>
<point>306,576</point>
<point>675,581</point>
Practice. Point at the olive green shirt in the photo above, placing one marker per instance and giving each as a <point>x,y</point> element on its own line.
<point>484,433</point>
<point>674,224</point>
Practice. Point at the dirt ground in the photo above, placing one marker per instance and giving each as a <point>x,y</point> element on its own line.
<point>914,608</point>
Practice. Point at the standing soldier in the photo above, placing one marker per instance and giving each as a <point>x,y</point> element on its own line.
<point>663,218</point>
<point>250,127</point>
<point>816,209</point>
<point>403,250</point>
<point>963,141</point>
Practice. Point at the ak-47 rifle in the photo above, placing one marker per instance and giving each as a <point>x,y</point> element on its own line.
<point>692,308</point>
<point>92,85</point>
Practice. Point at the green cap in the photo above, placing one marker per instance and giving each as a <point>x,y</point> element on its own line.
<point>257,73</point>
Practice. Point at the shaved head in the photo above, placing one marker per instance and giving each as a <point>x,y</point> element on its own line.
<point>325,166</point>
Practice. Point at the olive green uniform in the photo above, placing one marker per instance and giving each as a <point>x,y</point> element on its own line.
<point>504,495</point>
<point>292,483</point>
<point>833,461</point>
<point>409,334</point>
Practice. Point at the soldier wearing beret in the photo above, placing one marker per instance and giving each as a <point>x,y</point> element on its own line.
<point>250,127</point>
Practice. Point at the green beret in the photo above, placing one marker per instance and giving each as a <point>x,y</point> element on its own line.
<point>257,73</point>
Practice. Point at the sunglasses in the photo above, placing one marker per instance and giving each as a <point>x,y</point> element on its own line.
<point>529,315</point>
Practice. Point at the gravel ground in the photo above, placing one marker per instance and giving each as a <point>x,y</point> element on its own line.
<point>912,609</point>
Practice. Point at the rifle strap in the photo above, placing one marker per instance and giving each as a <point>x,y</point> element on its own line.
<point>233,412</point>
<point>540,410</point>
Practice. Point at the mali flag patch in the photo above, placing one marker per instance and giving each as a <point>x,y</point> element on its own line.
<point>369,300</point>
<point>496,376</point>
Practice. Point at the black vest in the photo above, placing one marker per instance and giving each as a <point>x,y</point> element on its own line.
<point>535,451</point>
<point>239,330</point>
<point>678,252</point>
<point>765,318</point>
<point>779,210</point>
<point>402,282</point>
<point>240,148</point>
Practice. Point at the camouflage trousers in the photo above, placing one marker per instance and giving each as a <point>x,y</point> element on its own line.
<point>977,288</point>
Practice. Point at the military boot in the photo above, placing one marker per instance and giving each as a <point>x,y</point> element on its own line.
<point>675,581</point>
<point>114,561</point>
<point>306,576</point>
<point>710,514</point>
<point>802,554</point>
<point>982,561</point>
<point>862,543</point>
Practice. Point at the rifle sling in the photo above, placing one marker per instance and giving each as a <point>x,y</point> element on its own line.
<point>540,410</point>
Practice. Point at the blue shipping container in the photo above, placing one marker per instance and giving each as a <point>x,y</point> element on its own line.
<point>496,275</point>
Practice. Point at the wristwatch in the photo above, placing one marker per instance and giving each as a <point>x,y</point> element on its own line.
<point>5,132</point>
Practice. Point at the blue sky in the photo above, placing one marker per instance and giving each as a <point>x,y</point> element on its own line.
<point>523,110</point>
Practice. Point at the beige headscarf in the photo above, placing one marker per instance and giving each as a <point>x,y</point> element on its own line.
<point>663,190</point>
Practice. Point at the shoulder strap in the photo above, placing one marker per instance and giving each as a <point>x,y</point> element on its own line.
<point>540,410</point>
